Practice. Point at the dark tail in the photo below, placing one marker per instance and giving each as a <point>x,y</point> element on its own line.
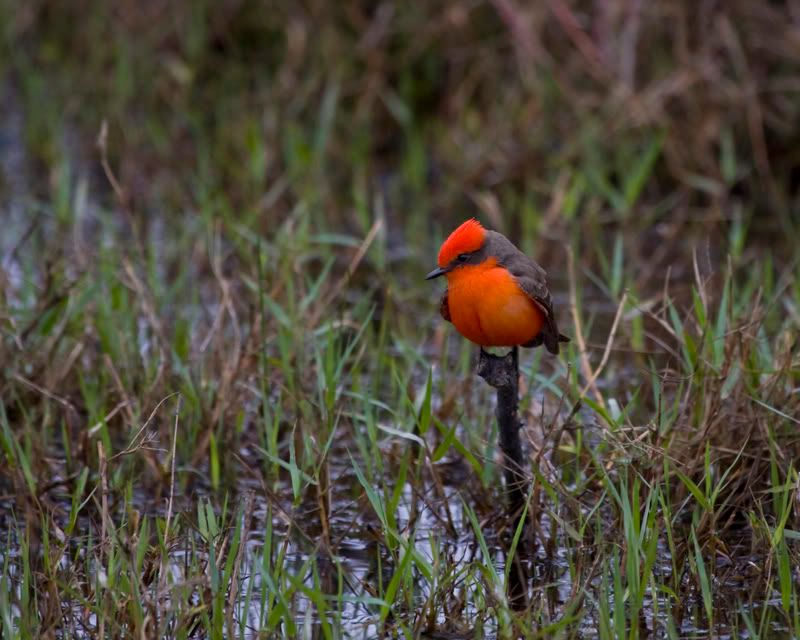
<point>550,341</point>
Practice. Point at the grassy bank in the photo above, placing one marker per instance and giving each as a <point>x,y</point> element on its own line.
<point>228,406</point>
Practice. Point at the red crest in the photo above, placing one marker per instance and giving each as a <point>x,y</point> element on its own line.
<point>465,239</point>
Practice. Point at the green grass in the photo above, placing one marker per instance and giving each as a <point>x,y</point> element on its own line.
<point>228,406</point>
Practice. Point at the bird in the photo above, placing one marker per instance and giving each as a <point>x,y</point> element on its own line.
<point>496,296</point>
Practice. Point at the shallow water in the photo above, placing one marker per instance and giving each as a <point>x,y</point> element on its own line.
<point>358,553</point>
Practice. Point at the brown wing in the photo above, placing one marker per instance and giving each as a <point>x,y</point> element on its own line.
<point>444,307</point>
<point>532,279</point>
<point>536,288</point>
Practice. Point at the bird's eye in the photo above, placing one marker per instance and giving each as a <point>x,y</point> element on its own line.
<point>462,257</point>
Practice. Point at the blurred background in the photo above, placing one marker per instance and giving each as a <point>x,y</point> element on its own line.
<point>680,115</point>
<point>237,201</point>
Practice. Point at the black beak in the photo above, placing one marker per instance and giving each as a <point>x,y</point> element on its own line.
<point>438,271</point>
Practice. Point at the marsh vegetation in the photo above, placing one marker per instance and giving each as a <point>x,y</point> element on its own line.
<point>228,406</point>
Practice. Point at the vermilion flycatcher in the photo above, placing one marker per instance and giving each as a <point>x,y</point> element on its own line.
<point>496,296</point>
